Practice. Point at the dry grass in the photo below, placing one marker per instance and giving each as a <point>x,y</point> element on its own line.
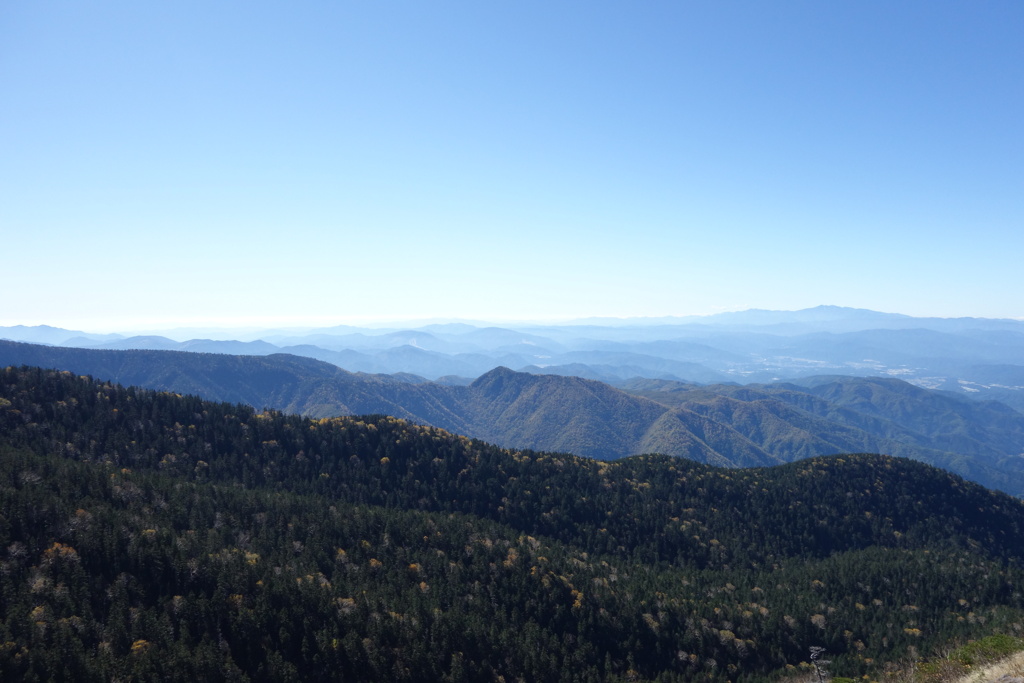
<point>988,659</point>
<point>1011,667</point>
<point>994,659</point>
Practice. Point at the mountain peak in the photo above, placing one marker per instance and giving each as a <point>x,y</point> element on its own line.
<point>495,379</point>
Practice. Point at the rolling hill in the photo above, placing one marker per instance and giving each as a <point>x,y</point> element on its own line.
<point>729,425</point>
<point>151,536</point>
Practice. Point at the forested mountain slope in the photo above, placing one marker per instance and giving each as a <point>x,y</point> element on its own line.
<point>981,440</point>
<point>284,382</point>
<point>151,536</point>
<point>729,425</point>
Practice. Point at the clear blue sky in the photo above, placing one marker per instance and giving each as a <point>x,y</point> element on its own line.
<point>322,162</point>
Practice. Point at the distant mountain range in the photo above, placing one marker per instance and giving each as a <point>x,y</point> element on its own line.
<point>723,424</point>
<point>976,357</point>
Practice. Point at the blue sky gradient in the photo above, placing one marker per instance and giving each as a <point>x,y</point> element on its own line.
<point>325,162</point>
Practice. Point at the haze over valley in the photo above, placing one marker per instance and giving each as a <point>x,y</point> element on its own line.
<point>980,358</point>
<point>747,389</point>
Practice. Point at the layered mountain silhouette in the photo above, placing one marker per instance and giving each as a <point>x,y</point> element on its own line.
<point>730,425</point>
<point>978,358</point>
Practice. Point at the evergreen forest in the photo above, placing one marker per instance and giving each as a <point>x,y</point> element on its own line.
<point>151,536</point>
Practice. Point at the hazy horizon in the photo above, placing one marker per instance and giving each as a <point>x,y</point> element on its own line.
<point>415,323</point>
<point>241,164</point>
